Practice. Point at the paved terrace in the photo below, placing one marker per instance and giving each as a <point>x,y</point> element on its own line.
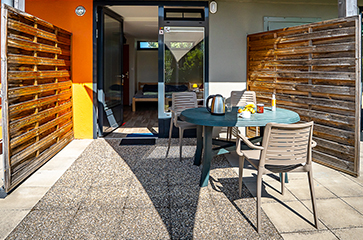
<point>96,189</point>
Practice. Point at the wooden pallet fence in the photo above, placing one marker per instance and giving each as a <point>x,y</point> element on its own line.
<point>315,70</point>
<point>36,87</point>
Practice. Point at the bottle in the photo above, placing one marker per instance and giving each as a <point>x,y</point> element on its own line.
<point>273,103</point>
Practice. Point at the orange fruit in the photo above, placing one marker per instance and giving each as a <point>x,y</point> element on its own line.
<point>239,110</point>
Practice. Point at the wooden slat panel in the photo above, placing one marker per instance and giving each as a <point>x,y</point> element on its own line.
<point>20,174</point>
<point>37,131</point>
<point>21,59</point>
<point>24,28</point>
<point>31,46</point>
<point>22,91</point>
<point>38,115</point>
<point>16,125</point>
<point>314,70</point>
<point>20,107</point>
<point>15,159</point>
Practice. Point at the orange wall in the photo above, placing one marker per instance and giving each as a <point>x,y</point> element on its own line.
<point>61,13</point>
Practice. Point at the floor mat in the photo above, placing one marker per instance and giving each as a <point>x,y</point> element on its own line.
<point>138,141</point>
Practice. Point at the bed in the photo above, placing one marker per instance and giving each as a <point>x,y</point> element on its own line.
<point>148,92</point>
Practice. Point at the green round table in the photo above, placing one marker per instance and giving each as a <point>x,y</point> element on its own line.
<point>206,122</point>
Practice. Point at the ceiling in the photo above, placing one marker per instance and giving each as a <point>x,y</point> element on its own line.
<point>140,22</point>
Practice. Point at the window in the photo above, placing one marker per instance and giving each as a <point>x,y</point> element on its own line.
<point>184,14</point>
<point>147,45</point>
<point>272,23</point>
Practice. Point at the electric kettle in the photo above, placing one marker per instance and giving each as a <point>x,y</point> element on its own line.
<point>217,107</point>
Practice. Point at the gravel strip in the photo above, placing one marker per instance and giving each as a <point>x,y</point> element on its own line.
<point>135,192</point>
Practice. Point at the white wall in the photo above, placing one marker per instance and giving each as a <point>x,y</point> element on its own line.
<point>147,66</point>
<point>231,24</point>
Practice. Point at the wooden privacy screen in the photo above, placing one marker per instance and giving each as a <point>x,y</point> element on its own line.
<point>36,93</point>
<point>315,70</point>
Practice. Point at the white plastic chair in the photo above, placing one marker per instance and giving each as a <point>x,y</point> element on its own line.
<point>239,99</point>
<point>285,148</point>
<point>180,102</point>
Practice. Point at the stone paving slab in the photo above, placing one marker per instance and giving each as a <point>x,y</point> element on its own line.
<point>134,192</point>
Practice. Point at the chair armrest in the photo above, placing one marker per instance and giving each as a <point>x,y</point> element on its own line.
<point>241,138</point>
<point>313,143</point>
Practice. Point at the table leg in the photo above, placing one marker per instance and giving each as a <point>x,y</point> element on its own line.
<point>198,152</point>
<point>208,155</point>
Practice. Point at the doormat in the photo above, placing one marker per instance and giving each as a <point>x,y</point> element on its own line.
<point>138,141</point>
<point>142,135</point>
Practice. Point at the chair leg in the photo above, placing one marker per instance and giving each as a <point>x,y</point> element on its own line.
<point>282,183</point>
<point>170,132</point>
<point>312,194</point>
<point>229,133</point>
<point>240,178</point>
<point>181,132</point>
<point>258,205</point>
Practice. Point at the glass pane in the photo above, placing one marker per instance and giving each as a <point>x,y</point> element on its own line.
<point>112,62</point>
<point>184,60</point>
<point>192,15</point>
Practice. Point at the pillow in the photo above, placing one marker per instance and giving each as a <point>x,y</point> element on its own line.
<point>150,88</point>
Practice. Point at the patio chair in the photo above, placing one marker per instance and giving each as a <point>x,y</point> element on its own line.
<point>239,99</point>
<point>285,148</point>
<point>180,102</point>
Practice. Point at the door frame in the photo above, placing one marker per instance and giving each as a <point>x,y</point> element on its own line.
<point>96,69</point>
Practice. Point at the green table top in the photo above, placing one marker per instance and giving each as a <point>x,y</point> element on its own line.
<point>200,116</point>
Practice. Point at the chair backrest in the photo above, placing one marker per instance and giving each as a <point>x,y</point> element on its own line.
<point>287,144</point>
<point>240,98</point>
<point>184,100</point>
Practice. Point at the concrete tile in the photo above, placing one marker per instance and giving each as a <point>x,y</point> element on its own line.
<point>23,198</point>
<point>75,148</point>
<point>9,219</point>
<point>148,196</point>
<point>323,172</point>
<point>300,188</point>
<point>43,225</point>
<point>94,225</point>
<point>107,197</point>
<point>271,191</point>
<point>335,213</point>
<point>43,178</point>
<point>61,198</point>
<point>290,217</point>
<point>349,233</point>
<point>316,235</point>
<point>341,186</point>
<point>146,223</point>
<point>356,203</point>
<point>58,163</point>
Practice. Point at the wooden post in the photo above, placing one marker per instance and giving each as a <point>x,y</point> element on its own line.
<point>347,8</point>
<point>358,91</point>
<point>4,100</point>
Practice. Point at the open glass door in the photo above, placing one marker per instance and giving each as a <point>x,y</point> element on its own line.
<point>110,90</point>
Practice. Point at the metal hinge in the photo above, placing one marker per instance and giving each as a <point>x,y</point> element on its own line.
<point>96,33</point>
<point>97,18</point>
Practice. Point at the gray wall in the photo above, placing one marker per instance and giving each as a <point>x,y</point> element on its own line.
<point>235,19</point>
<point>147,66</point>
